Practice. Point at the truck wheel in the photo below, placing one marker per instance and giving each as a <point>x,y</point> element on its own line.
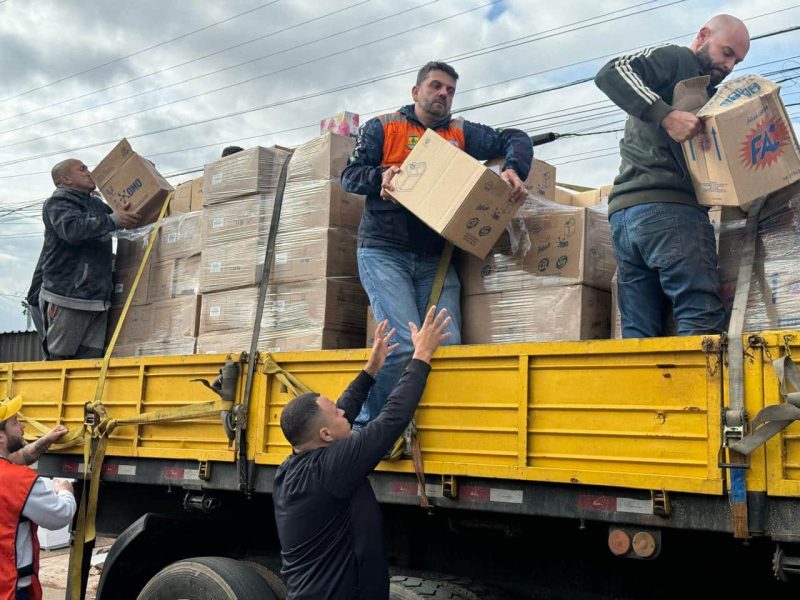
<point>414,588</point>
<point>206,578</point>
<point>265,566</point>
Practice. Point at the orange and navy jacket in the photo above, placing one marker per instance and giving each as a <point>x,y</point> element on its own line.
<point>386,141</point>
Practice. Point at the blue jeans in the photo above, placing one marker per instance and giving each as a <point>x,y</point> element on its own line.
<point>665,254</point>
<point>398,285</point>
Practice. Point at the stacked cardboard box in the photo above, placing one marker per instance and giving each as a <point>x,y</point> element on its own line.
<point>774,299</point>
<point>163,316</point>
<point>547,279</point>
<point>314,299</point>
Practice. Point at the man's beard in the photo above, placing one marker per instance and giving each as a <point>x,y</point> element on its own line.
<point>15,444</point>
<point>709,68</point>
<point>435,108</point>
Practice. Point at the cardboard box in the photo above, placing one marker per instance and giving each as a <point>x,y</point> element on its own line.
<point>188,197</point>
<point>292,309</point>
<point>238,219</point>
<point>176,318</point>
<point>344,123</point>
<point>324,157</point>
<point>180,236</point>
<point>252,171</point>
<point>750,148</point>
<point>129,253</point>
<point>591,197</point>
<point>454,194</point>
<point>125,177</point>
<point>138,325</point>
<point>321,339</point>
<point>319,203</point>
<point>181,200</point>
<point>224,342</point>
<point>122,282</point>
<point>176,347</point>
<point>541,181</point>
<point>557,245</point>
<point>174,278</point>
<point>301,255</point>
<point>564,195</point>
<point>315,253</point>
<point>567,313</point>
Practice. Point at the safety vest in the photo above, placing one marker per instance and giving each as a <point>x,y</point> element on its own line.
<point>401,135</point>
<point>16,483</point>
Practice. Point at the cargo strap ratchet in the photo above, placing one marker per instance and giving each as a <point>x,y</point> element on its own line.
<point>734,417</point>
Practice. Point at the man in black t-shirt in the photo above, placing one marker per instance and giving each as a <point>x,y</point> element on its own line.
<point>328,519</point>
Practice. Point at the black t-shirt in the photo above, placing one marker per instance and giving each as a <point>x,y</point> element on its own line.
<point>329,522</point>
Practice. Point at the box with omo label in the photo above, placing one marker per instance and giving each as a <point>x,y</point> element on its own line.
<point>124,177</point>
<point>749,148</point>
<point>454,194</point>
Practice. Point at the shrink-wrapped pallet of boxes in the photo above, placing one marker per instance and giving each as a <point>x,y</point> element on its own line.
<point>314,299</point>
<point>774,299</point>
<point>163,317</point>
<point>546,280</point>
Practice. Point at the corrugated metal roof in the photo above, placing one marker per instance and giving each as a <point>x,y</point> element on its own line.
<point>20,346</point>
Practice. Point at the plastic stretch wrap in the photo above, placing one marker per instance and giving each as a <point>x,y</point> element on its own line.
<point>774,299</point>
<point>252,171</point>
<point>307,315</point>
<point>180,236</point>
<point>166,320</point>
<point>547,244</point>
<point>324,157</point>
<point>173,278</point>
<point>565,313</point>
<point>176,347</point>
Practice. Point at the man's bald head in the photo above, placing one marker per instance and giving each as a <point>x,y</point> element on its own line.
<point>72,173</point>
<point>720,45</point>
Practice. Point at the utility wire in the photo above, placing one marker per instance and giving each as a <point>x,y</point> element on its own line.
<point>154,46</point>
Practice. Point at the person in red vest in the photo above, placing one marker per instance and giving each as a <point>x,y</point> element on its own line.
<point>398,254</point>
<point>26,503</point>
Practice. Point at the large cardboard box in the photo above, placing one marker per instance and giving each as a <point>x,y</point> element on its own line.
<point>238,219</point>
<point>300,255</point>
<point>541,181</point>
<point>122,282</point>
<point>292,309</point>
<point>173,278</point>
<point>749,149</point>
<point>129,253</point>
<point>591,197</point>
<point>252,171</point>
<point>165,320</point>
<point>454,194</point>
<point>180,236</point>
<point>138,325</point>
<point>324,157</point>
<point>125,177</point>
<point>566,313</point>
<point>556,245</point>
<point>319,203</point>
<point>188,197</point>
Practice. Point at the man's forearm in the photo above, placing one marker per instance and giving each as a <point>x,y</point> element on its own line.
<point>29,453</point>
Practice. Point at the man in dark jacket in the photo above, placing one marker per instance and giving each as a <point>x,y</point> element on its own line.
<point>397,253</point>
<point>72,280</point>
<point>663,240</point>
<point>328,519</point>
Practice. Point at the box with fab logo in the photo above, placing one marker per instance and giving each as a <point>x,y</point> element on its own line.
<point>748,149</point>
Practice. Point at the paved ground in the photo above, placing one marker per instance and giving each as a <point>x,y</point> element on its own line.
<point>54,567</point>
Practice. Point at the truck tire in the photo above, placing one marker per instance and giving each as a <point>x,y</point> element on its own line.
<point>206,578</point>
<point>402,587</point>
<point>266,567</point>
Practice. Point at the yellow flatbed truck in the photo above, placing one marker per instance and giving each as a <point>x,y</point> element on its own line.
<point>523,445</point>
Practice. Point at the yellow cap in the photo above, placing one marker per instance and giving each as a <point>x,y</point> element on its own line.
<point>9,407</point>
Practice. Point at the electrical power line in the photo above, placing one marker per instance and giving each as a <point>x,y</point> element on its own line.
<point>121,58</point>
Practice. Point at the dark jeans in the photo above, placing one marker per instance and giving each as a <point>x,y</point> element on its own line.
<point>22,593</point>
<point>665,254</point>
<point>398,285</point>
<point>71,333</point>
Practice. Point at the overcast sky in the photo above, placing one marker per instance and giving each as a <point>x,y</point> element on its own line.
<point>182,79</point>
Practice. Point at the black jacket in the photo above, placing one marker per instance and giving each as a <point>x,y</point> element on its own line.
<point>74,268</point>
<point>386,224</point>
<point>653,168</point>
<point>329,522</point>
